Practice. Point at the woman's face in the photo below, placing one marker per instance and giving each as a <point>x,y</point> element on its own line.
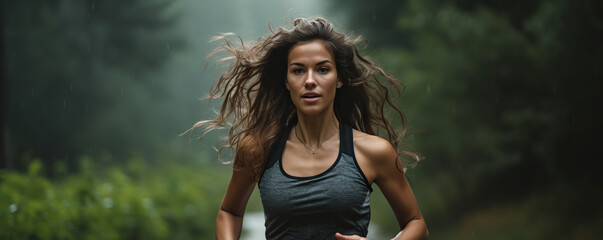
<point>312,77</point>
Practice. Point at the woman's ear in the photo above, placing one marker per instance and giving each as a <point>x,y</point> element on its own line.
<point>339,83</point>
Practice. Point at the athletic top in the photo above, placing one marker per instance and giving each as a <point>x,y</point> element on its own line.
<point>316,207</point>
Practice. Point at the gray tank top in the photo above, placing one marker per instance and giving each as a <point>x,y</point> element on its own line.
<point>316,207</point>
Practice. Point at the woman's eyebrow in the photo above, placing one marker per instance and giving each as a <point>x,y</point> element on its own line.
<point>319,63</point>
<point>323,62</point>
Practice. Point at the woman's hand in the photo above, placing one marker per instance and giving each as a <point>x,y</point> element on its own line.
<point>340,236</point>
<point>356,237</point>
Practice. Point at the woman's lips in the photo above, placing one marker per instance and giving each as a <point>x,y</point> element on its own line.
<point>310,97</point>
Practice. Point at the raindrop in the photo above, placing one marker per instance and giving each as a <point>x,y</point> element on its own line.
<point>13,208</point>
<point>72,87</point>
<point>107,202</point>
<point>64,103</point>
<point>147,203</point>
<point>122,91</point>
<point>168,46</point>
<point>428,90</point>
<point>93,6</point>
<point>374,16</point>
<point>153,83</point>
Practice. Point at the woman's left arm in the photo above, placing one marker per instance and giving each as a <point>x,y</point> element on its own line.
<point>379,162</point>
<point>390,178</point>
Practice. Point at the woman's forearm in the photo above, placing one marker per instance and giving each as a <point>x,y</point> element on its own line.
<point>415,229</point>
<point>228,226</point>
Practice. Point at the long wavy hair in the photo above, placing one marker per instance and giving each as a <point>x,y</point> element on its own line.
<point>257,106</point>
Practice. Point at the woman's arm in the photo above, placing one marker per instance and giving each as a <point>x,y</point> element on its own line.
<point>392,181</point>
<point>230,215</point>
<point>378,160</point>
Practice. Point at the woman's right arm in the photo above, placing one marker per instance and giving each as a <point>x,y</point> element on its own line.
<point>230,215</point>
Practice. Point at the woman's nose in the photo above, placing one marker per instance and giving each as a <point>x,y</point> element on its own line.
<point>310,81</point>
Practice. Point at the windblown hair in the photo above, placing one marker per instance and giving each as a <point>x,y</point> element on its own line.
<point>258,107</point>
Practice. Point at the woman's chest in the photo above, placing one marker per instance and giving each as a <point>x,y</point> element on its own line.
<point>338,189</point>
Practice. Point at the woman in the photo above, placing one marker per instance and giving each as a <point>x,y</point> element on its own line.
<point>304,107</point>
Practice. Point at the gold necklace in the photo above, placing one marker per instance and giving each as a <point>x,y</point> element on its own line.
<point>308,146</point>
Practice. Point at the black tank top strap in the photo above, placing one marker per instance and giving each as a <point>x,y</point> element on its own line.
<point>347,147</point>
<point>279,146</point>
<point>347,138</point>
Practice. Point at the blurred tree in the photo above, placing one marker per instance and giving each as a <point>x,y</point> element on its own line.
<point>69,64</point>
<point>3,98</point>
<point>500,101</point>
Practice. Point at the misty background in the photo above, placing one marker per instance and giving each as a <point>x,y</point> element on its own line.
<point>502,98</point>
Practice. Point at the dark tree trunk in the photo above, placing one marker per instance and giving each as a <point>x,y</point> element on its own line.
<point>4,158</point>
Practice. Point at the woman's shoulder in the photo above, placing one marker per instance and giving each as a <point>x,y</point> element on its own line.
<point>374,148</point>
<point>248,152</point>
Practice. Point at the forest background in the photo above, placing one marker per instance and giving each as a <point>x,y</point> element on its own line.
<point>501,99</point>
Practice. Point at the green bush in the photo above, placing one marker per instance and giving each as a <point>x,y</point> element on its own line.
<point>137,201</point>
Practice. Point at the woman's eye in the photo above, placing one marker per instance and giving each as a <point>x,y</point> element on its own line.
<point>323,70</point>
<point>297,71</point>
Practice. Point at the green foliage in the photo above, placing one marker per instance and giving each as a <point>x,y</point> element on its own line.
<point>499,101</point>
<point>69,65</point>
<point>135,202</point>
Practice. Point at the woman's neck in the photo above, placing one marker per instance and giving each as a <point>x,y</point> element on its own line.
<point>313,130</point>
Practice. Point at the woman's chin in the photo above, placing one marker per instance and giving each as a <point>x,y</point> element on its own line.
<point>311,110</point>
